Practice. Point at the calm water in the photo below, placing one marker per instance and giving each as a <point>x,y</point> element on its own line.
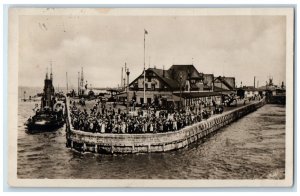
<point>251,148</point>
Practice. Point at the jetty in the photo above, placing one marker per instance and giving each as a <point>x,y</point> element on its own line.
<point>152,142</point>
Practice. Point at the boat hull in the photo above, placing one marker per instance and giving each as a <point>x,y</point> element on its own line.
<point>44,126</point>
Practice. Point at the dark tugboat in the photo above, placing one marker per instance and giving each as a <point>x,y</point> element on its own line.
<point>50,115</point>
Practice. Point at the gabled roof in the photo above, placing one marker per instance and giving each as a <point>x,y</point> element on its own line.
<point>165,77</point>
<point>187,69</point>
<point>222,79</point>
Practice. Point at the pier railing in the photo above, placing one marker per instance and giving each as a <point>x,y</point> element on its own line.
<point>151,142</point>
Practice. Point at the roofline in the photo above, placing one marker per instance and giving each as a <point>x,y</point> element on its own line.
<point>155,74</point>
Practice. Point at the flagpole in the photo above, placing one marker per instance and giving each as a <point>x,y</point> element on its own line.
<point>67,82</point>
<point>144,68</point>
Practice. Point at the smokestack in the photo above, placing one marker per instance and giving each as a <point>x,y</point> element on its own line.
<point>254,81</point>
<point>163,71</point>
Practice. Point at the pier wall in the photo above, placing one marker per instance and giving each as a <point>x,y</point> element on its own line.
<point>150,142</point>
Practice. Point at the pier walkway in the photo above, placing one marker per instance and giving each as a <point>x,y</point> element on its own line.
<point>152,142</point>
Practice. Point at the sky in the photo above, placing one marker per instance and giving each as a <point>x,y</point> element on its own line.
<point>233,46</point>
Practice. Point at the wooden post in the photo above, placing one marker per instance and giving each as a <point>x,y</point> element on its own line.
<point>96,148</point>
<point>112,149</point>
<point>84,147</point>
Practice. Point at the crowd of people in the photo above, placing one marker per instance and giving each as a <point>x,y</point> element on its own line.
<point>109,119</point>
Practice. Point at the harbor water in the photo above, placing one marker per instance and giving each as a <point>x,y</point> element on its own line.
<point>250,148</point>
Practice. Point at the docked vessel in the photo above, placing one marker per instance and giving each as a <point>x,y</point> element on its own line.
<point>275,94</point>
<point>50,115</point>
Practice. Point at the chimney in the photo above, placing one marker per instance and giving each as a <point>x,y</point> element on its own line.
<point>254,81</point>
<point>163,71</point>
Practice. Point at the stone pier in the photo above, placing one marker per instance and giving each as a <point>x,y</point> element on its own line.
<point>152,142</point>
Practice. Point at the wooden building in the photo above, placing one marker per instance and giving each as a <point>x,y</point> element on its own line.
<point>180,83</point>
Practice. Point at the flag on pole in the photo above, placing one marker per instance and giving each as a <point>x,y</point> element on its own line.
<point>146,32</point>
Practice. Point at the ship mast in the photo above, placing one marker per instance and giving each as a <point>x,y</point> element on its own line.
<point>51,75</point>
<point>81,82</point>
<point>47,74</point>
<point>78,85</point>
<point>67,82</point>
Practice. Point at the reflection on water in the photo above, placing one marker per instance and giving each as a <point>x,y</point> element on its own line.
<point>251,148</point>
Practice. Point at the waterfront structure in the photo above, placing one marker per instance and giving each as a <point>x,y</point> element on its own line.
<point>248,92</point>
<point>274,94</point>
<point>181,84</point>
<point>151,142</point>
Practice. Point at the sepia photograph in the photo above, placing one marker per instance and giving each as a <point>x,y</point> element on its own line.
<point>151,97</point>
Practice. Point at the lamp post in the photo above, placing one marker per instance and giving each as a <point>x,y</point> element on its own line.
<point>127,89</point>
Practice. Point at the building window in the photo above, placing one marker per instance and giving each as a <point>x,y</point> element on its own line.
<point>186,87</point>
<point>146,85</point>
<point>153,87</point>
<point>149,79</point>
